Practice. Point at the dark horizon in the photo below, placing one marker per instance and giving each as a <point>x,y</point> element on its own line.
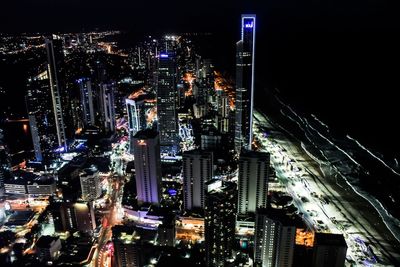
<point>207,16</point>
<point>271,139</point>
<point>337,59</point>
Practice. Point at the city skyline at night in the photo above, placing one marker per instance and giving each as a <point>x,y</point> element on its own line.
<point>229,134</point>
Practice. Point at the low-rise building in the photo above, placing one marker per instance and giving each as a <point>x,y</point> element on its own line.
<point>48,248</point>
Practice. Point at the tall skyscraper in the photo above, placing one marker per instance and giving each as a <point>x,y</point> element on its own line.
<point>166,233</point>
<point>223,111</point>
<point>87,103</point>
<point>274,238</point>
<point>126,252</point>
<point>147,166</point>
<point>139,111</point>
<point>55,90</point>
<point>107,106</point>
<point>5,166</point>
<point>41,118</point>
<point>329,250</point>
<point>245,56</point>
<point>90,184</point>
<point>197,169</point>
<point>219,221</point>
<point>252,181</point>
<point>133,110</point>
<point>166,103</point>
<point>84,218</point>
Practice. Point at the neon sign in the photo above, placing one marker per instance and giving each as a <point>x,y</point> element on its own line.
<point>164,55</point>
<point>249,24</point>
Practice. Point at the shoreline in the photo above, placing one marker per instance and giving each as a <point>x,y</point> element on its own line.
<point>354,208</point>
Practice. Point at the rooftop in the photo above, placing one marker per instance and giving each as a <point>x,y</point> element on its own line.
<point>325,239</point>
<point>281,216</point>
<point>45,241</point>
<point>253,154</point>
<point>20,218</point>
<point>28,178</point>
<point>146,134</point>
<point>89,171</point>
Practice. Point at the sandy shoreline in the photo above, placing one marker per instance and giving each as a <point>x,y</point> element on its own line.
<point>363,217</point>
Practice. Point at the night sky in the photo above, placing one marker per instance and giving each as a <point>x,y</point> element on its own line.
<point>336,58</point>
<point>206,15</point>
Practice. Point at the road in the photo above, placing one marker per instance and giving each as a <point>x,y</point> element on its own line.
<point>328,205</point>
<point>103,255</point>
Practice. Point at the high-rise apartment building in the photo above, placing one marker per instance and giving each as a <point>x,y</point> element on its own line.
<point>141,112</point>
<point>167,102</point>
<point>5,166</point>
<point>133,110</point>
<point>126,252</point>
<point>197,170</point>
<point>90,183</point>
<point>41,118</point>
<point>56,88</point>
<point>147,166</point>
<point>252,181</point>
<point>73,216</point>
<point>275,235</point>
<point>219,221</point>
<point>329,250</point>
<point>87,102</point>
<point>107,106</point>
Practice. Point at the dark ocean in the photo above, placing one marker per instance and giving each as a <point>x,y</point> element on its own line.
<point>338,60</point>
<point>341,67</point>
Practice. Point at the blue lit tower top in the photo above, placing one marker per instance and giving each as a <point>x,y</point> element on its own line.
<point>248,27</point>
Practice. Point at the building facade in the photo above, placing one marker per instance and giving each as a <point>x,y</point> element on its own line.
<point>133,110</point>
<point>252,181</point>
<point>147,166</point>
<point>5,165</point>
<point>54,57</point>
<point>41,118</point>
<point>73,216</point>
<point>107,106</point>
<point>87,102</point>
<point>197,169</point>
<point>245,57</point>
<point>167,103</point>
<point>329,250</point>
<point>90,184</point>
<point>219,222</point>
<point>274,242</point>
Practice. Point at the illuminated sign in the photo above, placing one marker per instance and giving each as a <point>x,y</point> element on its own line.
<point>172,192</point>
<point>249,24</point>
<point>164,55</point>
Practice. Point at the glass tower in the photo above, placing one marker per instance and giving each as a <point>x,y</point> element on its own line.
<point>245,53</point>
<point>55,84</point>
<point>166,103</point>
